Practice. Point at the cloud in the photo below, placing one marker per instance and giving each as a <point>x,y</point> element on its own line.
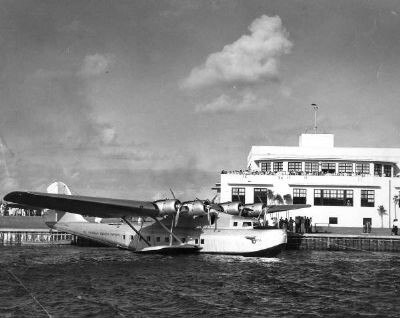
<point>145,184</point>
<point>108,134</point>
<point>97,64</point>
<point>251,59</point>
<point>228,104</point>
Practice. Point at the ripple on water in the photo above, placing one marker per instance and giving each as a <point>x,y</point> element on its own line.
<point>103,282</point>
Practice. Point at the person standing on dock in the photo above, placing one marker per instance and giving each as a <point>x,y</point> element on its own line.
<point>285,224</point>
<point>368,224</point>
<point>297,224</point>
<point>395,230</point>
<point>291,221</point>
<point>302,225</point>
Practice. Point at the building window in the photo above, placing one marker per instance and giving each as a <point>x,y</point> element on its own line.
<point>387,170</point>
<point>202,241</point>
<point>299,196</point>
<point>235,223</point>
<point>131,237</point>
<point>328,167</point>
<point>333,220</point>
<point>238,194</point>
<point>311,166</point>
<point>265,166</point>
<point>368,198</point>
<point>345,167</point>
<point>196,241</point>
<point>246,224</point>
<point>333,197</point>
<point>278,166</point>
<point>378,169</point>
<point>362,168</point>
<point>158,239</point>
<point>148,238</point>
<point>260,195</point>
<point>294,166</point>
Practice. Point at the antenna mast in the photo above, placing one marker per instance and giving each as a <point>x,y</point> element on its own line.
<point>315,106</point>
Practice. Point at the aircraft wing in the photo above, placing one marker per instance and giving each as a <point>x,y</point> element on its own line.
<point>286,207</point>
<point>91,206</point>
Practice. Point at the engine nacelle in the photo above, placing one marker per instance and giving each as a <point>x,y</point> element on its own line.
<point>232,208</point>
<point>168,206</point>
<point>195,208</point>
<point>255,209</point>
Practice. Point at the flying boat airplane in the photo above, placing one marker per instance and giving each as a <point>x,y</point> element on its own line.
<point>175,227</point>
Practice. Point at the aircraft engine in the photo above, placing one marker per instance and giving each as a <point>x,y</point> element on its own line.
<point>195,208</point>
<point>255,209</point>
<point>233,208</point>
<point>168,206</point>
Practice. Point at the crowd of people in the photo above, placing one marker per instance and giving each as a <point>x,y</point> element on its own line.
<point>300,173</point>
<point>300,224</point>
<point>10,211</point>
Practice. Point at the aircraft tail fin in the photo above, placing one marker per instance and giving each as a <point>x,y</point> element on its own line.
<point>58,187</point>
<point>59,216</point>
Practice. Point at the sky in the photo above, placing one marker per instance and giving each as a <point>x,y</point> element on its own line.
<point>130,99</point>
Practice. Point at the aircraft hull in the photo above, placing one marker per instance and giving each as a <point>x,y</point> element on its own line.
<point>171,250</point>
<point>250,242</point>
<point>246,242</point>
<point>268,252</point>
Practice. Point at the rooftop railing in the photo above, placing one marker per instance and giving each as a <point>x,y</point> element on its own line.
<point>302,173</point>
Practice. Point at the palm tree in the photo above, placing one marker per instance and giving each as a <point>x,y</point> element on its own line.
<point>270,196</point>
<point>278,199</point>
<point>396,200</point>
<point>382,212</point>
<point>288,199</point>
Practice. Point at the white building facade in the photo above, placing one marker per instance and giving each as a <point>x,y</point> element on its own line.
<point>346,187</point>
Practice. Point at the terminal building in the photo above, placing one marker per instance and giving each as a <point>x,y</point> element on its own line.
<point>346,187</point>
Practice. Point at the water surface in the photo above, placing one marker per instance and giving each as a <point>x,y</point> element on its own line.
<point>105,282</point>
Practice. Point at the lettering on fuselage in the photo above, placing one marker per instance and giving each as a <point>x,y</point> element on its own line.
<point>101,233</point>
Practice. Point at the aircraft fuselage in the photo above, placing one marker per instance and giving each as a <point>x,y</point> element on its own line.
<point>236,235</point>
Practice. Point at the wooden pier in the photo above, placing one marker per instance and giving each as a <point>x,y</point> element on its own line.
<point>343,242</point>
<point>30,230</point>
<point>34,237</point>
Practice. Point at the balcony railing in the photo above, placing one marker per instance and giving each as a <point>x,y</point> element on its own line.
<point>302,173</point>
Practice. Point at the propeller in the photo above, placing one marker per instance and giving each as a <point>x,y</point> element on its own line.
<point>259,215</point>
<point>215,209</point>
<point>198,207</point>
<point>180,208</point>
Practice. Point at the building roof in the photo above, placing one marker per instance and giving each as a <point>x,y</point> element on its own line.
<point>321,147</point>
